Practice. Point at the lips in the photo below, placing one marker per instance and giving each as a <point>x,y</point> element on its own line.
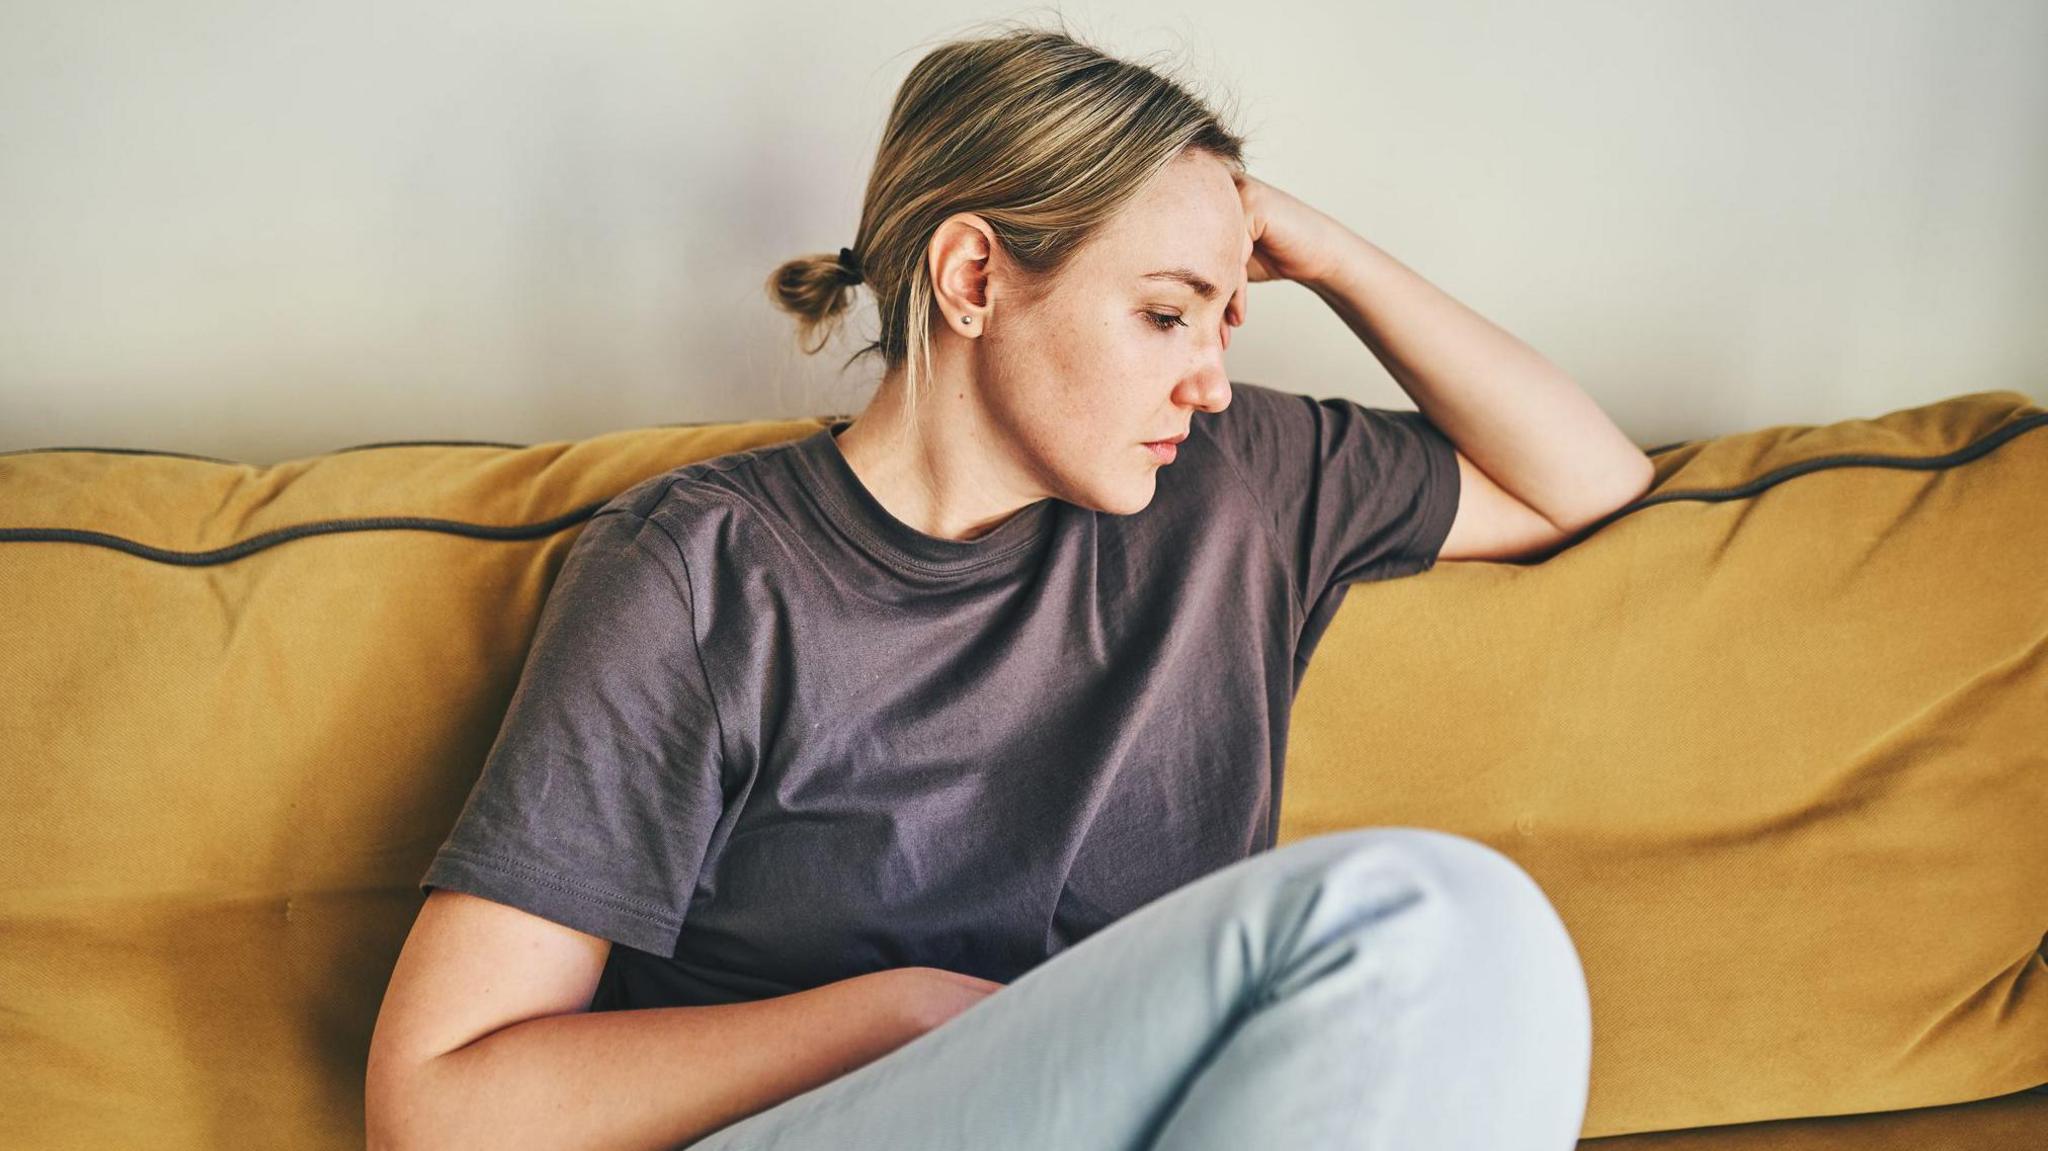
<point>1173,440</point>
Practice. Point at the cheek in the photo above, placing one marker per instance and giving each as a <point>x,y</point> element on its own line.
<point>1082,363</point>
<point>1100,378</point>
<point>1133,358</point>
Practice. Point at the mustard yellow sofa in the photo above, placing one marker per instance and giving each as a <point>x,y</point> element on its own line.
<point>1774,739</point>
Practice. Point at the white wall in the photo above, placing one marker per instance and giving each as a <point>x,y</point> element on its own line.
<point>260,230</point>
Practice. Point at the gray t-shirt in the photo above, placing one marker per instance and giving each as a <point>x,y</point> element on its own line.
<point>768,736</point>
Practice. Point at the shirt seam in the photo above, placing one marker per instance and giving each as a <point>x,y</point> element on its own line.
<point>1266,529</point>
<point>688,591</point>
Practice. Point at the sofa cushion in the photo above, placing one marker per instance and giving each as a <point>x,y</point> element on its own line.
<point>242,707</point>
<point>1771,739</point>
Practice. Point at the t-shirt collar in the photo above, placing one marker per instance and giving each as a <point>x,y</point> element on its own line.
<point>847,501</point>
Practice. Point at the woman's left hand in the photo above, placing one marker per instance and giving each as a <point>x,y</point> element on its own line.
<point>1290,239</point>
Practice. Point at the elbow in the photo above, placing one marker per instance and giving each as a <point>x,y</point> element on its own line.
<point>1634,482</point>
<point>1641,478</point>
<point>1619,495</point>
<point>1648,469</point>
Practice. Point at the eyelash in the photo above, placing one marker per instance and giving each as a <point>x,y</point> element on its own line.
<point>1167,327</point>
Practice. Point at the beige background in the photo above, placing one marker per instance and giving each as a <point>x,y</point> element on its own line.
<point>259,230</point>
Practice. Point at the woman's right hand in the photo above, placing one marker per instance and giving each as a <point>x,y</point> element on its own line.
<point>934,995</point>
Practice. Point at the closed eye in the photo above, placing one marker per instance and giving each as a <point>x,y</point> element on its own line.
<point>1169,317</point>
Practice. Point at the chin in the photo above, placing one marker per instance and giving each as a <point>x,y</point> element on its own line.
<point>1133,499</point>
<point>1119,494</point>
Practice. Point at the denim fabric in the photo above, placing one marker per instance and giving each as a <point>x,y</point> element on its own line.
<point>1384,987</point>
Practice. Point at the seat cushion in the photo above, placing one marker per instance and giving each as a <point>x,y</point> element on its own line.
<point>2004,1123</point>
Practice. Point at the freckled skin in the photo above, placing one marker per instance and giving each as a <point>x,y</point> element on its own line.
<point>1055,398</point>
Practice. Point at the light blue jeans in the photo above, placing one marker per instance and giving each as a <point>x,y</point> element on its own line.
<point>1382,987</point>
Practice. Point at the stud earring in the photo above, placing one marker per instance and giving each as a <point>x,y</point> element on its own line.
<point>967,319</point>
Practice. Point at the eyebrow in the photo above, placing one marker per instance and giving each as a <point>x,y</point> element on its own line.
<point>1202,287</point>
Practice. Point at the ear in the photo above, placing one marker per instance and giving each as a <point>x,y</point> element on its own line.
<point>958,255</point>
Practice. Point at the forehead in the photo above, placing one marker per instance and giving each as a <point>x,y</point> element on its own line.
<point>1187,216</point>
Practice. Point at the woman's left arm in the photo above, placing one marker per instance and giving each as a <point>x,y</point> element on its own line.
<point>1514,414</point>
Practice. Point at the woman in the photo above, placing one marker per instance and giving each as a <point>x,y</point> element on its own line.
<point>913,784</point>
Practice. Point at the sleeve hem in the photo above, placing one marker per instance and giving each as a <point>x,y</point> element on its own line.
<point>1441,509</point>
<point>552,897</point>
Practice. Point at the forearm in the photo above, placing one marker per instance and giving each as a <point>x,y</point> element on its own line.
<point>1514,413</point>
<point>649,1078</point>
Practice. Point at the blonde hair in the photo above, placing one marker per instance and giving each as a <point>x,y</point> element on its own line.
<point>1042,136</point>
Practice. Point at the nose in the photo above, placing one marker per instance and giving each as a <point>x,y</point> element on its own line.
<point>1207,390</point>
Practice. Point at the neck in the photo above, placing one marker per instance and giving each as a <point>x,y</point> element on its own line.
<point>951,475</point>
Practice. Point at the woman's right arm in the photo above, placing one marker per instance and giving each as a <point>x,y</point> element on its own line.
<point>484,1039</point>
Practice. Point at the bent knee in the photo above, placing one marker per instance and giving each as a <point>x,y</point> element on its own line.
<point>1471,889</point>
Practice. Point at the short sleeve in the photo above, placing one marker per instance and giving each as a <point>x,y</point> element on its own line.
<point>596,803</point>
<point>1354,493</point>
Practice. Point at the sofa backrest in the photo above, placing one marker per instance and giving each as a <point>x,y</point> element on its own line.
<point>1772,738</point>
